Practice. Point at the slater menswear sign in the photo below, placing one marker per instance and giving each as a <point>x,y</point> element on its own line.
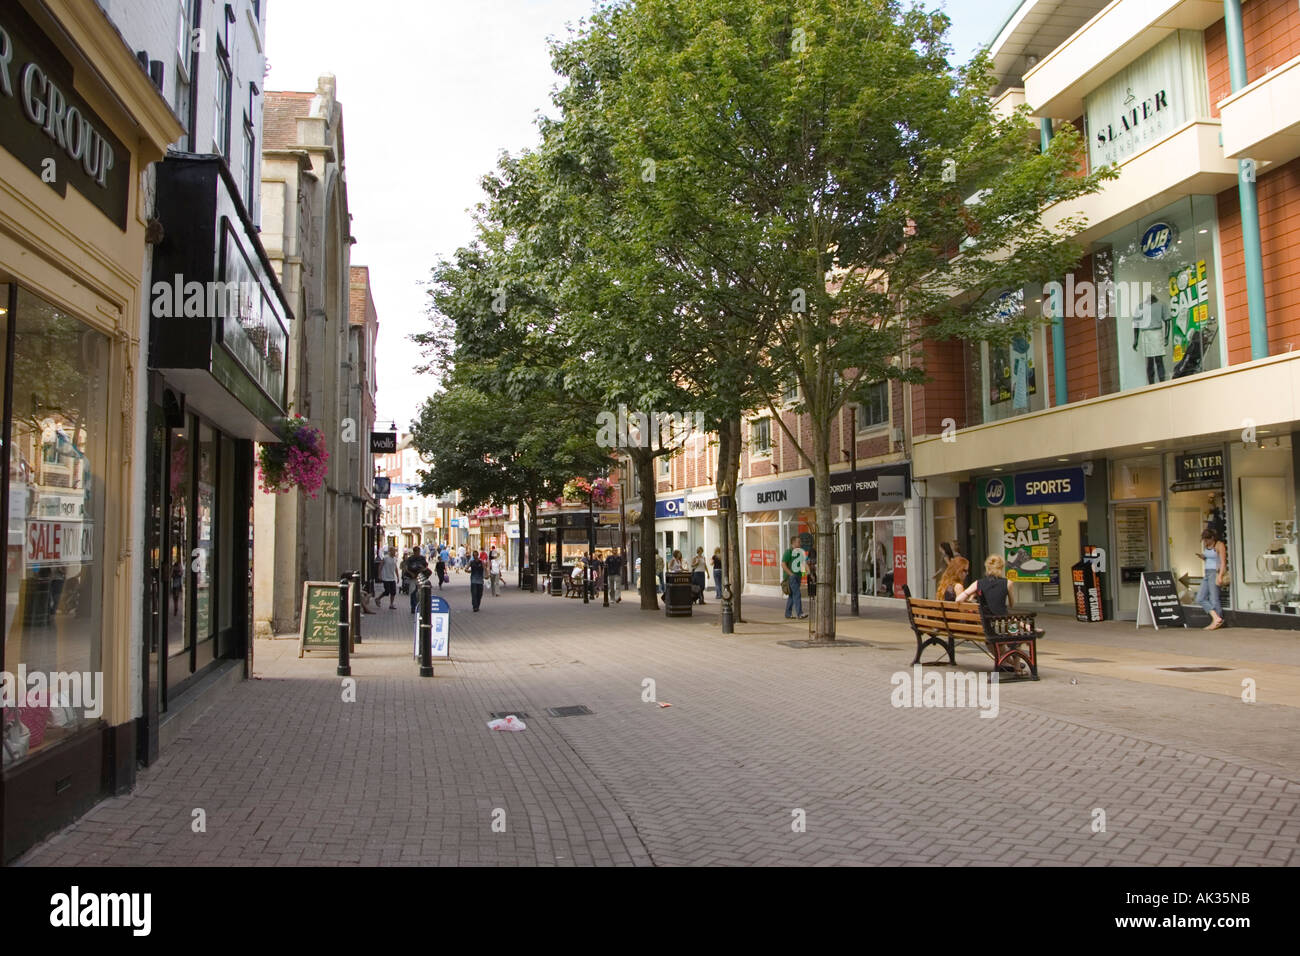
<point>46,125</point>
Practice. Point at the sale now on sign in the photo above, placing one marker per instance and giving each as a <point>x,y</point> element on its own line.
<point>51,543</point>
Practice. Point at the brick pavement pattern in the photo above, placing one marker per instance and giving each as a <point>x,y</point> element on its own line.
<point>289,773</point>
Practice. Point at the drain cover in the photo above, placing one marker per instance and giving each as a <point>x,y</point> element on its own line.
<point>573,710</point>
<point>503,714</point>
<point>834,643</point>
<point>1194,670</point>
<point>1087,660</point>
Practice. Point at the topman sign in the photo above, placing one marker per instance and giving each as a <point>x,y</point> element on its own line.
<point>49,127</point>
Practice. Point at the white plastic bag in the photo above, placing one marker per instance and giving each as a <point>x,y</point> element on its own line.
<point>507,723</point>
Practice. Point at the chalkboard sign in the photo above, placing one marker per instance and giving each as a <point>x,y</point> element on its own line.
<point>1158,603</point>
<point>319,627</point>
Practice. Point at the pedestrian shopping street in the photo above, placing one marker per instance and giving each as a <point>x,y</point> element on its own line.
<point>768,754</point>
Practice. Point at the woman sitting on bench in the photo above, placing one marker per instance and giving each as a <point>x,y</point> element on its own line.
<point>994,586</point>
<point>953,579</point>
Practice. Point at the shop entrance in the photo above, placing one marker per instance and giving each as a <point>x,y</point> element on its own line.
<point>1135,529</point>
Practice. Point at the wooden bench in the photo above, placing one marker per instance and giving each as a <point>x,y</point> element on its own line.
<point>572,588</point>
<point>1008,639</point>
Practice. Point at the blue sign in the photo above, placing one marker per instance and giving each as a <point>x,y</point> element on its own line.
<point>1058,486</point>
<point>439,632</point>
<point>1157,240</point>
<point>671,508</point>
<point>995,490</point>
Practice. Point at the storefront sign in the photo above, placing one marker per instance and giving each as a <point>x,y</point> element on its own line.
<point>888,483</point>
<point>1139,105</point>
<point>49,127</point>
<point>1058,486</point>
<point>383,486</point>
<point>776,495</point>
<point>439,630</point>
<point>1205,466</point>
<point>383,443</point>
<point>670,507</point>
<point>1158,603</point>
<point>702,504</point>
<point>1157,240</point>
<point>1027,546</point>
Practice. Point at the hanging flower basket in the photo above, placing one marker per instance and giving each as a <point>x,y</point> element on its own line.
<point>298,461</point>
<point>601,491</point>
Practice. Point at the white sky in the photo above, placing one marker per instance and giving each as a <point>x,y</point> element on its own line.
<point>432,91</point>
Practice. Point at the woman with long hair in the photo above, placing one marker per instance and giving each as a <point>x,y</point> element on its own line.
<point>953,579</point>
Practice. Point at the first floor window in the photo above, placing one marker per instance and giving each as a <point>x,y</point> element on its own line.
<point>874,409</point>
<point>760,436</point>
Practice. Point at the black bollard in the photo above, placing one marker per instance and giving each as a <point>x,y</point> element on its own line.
<point>586,582</point>
<point>355,576</point>
<point>605,602</point>
<point>345,614</point>
<point>425,603</point>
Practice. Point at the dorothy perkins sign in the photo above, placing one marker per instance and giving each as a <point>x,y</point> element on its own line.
<point>46,125</point>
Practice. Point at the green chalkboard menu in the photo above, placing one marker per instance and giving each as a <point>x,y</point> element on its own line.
<point>319,627</point>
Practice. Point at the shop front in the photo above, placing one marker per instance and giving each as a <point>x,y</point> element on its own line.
<point>672,528</point>
<point>1037,522</point>
<point>217,383</point>
<point>879,497</point>
<point>702,520</point>
<point>772,513</point>
<point>72,296</point>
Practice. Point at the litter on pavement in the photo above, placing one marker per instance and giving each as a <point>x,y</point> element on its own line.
<point>507,723</point>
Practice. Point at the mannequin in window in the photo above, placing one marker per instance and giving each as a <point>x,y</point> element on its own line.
<point>1151,332</point>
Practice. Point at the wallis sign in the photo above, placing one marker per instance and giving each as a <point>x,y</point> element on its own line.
<point>51,129</point>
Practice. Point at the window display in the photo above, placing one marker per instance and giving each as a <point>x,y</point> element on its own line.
<point>1158,296</point>
<point>1262,552</point>
<point>57,444</point>
<point>1006,371</point>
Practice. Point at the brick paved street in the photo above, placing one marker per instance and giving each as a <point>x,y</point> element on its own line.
<point>289,773</point>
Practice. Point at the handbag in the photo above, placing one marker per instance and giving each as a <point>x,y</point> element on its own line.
<point>785,587</point>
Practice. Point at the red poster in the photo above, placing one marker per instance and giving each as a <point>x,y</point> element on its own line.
<point>900,565</point>
<point>756,557</point>
<point>769,558</point>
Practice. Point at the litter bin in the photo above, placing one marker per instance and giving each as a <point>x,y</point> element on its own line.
<point>557,582</point>
<point>529,580</point>
<point>678,594</point>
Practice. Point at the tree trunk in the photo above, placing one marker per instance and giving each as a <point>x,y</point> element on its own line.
<point>644,460</point>
<point>726,481</point>
<point>824,602</point>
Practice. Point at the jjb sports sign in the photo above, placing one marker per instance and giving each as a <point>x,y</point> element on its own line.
<point>1058,486</point>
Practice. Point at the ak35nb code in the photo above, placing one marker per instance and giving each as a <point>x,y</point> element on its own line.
<point>1165,899</point>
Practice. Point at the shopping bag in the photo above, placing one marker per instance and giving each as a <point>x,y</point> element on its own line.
<point>507,723</point>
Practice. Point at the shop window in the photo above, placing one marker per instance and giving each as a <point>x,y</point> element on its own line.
<point>1262,554</point>
<point>763,549</point>
<point>1159,297</point>
<point>873,410</point>
<point>1195,502</point>
<point>54,567</point>
<point>1006,368</point>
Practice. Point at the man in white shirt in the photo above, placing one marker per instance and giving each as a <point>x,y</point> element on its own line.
<point>388,575</point>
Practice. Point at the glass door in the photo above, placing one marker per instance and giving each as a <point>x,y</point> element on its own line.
<point>1135,531</point>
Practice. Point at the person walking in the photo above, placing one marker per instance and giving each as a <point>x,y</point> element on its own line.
<point>614,574</point>
<point>476,568</point>
<point>494,570</point>
<point>636,573</point>
<point>388,577</point>
<point>440,569</point>
<point>415,568</point>
<point>659,571</point>
<point>699,574</point>
<point>792,568</point>
<point>717,573</point>
<point>1215,555</point>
